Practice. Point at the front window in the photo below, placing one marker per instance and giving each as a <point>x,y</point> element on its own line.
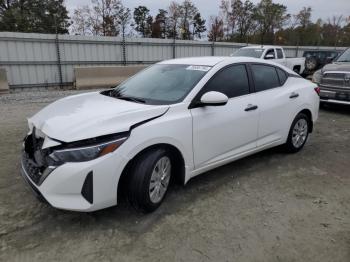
<point>161,84</point>
<point>249,52</point>
<point>345,57</point>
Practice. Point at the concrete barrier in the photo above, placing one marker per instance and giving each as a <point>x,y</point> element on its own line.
<point>104,76</point>
<point>4,86</point>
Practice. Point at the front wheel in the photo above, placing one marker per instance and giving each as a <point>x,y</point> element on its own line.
<point>150,178</point>
<point>298,133</point>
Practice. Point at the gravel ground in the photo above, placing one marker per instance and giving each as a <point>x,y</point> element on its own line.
<point>268,207</point>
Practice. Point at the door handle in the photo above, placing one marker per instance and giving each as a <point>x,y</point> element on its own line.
<point>251,107</point>
<point>293,95</point>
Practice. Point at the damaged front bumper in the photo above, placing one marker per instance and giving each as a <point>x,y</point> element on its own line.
<point>79,186</point>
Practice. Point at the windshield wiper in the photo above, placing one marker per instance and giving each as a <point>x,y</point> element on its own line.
<point>117,94</point>
<point>130,98</point>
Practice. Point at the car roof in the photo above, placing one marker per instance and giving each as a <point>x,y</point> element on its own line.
<point>203,60</point>
<point>210,60</point>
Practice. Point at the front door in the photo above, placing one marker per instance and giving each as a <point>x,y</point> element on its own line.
<point>220,132</point>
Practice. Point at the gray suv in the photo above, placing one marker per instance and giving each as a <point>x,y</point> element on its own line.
<point>334,80</point>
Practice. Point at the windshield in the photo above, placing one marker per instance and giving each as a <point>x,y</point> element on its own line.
<point>250,52</point>
<point>344,57</point>
<point>161,84</point>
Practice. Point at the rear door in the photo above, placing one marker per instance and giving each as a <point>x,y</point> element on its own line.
<point>220,132</point>
<point>276,102</point>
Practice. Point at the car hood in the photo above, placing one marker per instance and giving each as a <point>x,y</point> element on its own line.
<point>91,115</point>
<point>337,66</point>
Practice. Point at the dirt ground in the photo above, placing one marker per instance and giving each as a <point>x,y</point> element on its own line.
<point>268,207</point>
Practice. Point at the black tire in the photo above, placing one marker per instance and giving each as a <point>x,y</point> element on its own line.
<point>139,182</point>
<point>311,64</point>
<point>291,146</point>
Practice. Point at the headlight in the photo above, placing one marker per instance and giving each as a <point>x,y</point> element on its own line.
<point>86,153</point>
<point>316,78</point>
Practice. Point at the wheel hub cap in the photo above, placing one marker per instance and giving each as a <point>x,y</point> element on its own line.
<point>299,134</point>
<point>160,179</point>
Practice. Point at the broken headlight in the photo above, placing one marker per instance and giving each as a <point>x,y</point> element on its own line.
<point>86,153</point>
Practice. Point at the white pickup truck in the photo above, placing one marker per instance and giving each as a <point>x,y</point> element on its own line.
<point>275,53</point>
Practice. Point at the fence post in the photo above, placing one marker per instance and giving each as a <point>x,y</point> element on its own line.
<point>174,48</point>
<point>124,48</point>
<point>296,51</point>
<point>59,64</point>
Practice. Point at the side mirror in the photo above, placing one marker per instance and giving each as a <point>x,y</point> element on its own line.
<point>329,59</point>
<point>213,98</point>
<point>269,56</point>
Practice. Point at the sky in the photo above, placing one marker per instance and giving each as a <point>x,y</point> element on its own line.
<point>321,8</point>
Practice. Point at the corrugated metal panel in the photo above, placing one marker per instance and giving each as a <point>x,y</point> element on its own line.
<point>32,59</point>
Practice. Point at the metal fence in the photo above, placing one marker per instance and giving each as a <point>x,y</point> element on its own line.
<point>42,60</point>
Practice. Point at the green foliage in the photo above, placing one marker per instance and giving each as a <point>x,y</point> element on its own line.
<point>143,21</point>
<point>266,22</point>
<point>269,17</point>
<point>38,16</point>
<point>198,26</point>
<point>159,26</point>
<point>216,31</point>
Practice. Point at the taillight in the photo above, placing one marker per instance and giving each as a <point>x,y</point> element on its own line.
<point>317,90</point>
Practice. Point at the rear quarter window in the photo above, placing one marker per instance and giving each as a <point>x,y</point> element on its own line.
<point>283,76</point>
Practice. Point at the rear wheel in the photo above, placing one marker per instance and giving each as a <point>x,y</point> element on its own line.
<point>298,133</point>
<point>150,178</point>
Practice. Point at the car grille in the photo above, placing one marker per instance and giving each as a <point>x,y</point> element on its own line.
<point>34,158</point>
<point>340,80</point>
<point>32,169</point>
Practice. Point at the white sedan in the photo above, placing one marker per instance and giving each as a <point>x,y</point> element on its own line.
<point>172,121</point>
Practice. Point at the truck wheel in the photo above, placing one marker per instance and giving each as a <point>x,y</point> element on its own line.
<point>150,178</point>
<point>311,63</point>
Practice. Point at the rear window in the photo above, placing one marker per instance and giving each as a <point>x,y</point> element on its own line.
<point>265,77</point>
<point>250,52</point>
<point>279,53</point>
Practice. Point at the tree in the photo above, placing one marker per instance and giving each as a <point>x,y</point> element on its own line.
<point>8,12</point>
<point>85,22</point>
<point>159,26</point>
<point>104,11</point>
<point>245,21</point>
<point>216,32</point>
<point>304,17</point>
<point>303,21</point>
<point>334,24</point>
<point>269,17</point>
<point>198,26</point>
<point>226,14</point>
<point>187,10</point>
<point>142,20</point>
<point>123,17</point>
<point>174,20</point>
<point>39,16</point>
<point>103,17</point>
